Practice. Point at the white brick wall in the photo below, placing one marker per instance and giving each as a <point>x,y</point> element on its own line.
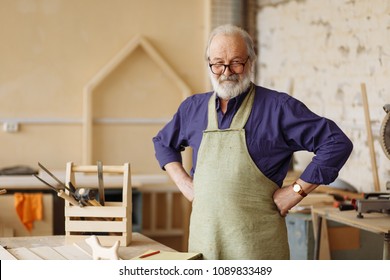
<point>326,49</point>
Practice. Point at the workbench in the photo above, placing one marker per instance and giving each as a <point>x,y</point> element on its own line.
<point>138,246</point>
<point>373,222</point>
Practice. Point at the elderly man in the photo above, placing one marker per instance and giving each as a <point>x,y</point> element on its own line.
<point>243,137</point>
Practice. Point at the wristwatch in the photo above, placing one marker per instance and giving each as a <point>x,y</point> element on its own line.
<point>298,189</point>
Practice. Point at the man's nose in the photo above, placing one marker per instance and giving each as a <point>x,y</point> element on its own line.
<point>227,72</point>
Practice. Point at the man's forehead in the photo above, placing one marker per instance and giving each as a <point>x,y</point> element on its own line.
<point>223,44</point>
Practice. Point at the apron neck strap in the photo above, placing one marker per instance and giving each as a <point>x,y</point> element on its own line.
<point>241,117</point>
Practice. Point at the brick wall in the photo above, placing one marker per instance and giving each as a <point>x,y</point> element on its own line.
<point>320,51</point>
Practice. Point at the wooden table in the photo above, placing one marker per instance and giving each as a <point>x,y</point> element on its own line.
<point>374,222</point>
<point>138,246</point>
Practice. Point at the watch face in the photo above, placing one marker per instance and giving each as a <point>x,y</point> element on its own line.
<point>297,188</point>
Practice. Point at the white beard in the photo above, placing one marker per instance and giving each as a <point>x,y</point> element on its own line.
<point>228,87</point>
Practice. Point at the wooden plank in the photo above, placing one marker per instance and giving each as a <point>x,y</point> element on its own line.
<point>23,253</point>
<point>93,169</point>
<point>71,252</point>
<point>98,226</point>
<point>370,139</point>
<point>314,218</point>
<point>324,245</point>
<point>84,247</point>
<point>96,211</point>
<point>5,255</point>
<point>47,253</point>
<point>373,222</point>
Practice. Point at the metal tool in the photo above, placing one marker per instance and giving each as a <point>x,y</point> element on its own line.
<point>86,196</point>
<point>373,202</point>
<point>73,188</point>
<point>385,131</point>
<point>378,201</point>
<point>101,185</point>
<point>55,178</point>
<point>60,193</point>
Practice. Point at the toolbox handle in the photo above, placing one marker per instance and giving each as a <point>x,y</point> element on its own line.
<point>93,168</point>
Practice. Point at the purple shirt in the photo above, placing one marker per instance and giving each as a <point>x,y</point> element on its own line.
<point>278,126</point>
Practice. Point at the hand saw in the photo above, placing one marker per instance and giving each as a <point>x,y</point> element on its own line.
<point>101,185</point>
<point>60,193</point>
<point>71,190</point>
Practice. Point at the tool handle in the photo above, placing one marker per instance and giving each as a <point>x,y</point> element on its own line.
<point>71,187</point>
<point>94,202</point>
<point>68,198</point>
<point>93,168</point>
<point>346,207</point>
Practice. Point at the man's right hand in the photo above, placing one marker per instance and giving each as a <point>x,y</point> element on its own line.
<point>181,178</point>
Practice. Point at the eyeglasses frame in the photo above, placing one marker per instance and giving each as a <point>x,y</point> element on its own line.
<point>227,66</point>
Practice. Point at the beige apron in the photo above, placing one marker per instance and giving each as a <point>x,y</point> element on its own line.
<point>233,212</point>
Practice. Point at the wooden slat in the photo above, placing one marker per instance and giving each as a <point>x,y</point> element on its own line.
<point>93,169</point>
<point>5,255</point>
<point>71,252</point>
<point>47,253</point>
<point>23,253</point>
<point>163,232</point>
<point>324,245</point>
<point>370,139</point>
<point>96,211</point>
<point>169,201</point>
<point>99,226</point>
<point>83,246</point>
<point>153,209</point>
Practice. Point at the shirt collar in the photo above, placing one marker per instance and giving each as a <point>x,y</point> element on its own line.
<point>234,102</point>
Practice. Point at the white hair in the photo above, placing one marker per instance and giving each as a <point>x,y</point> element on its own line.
<point>229,29</point>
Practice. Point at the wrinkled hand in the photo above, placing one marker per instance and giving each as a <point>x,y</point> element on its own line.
<point>181,178</point>
<point>285,199</point>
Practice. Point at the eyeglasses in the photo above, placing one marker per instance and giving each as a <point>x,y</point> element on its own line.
<point>235,67</point>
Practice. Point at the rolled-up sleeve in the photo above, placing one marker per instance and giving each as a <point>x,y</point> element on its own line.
<point>170,141</point>
<point>308,131</point>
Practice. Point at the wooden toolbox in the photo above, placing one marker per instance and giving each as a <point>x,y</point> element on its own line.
<point>110,222</point>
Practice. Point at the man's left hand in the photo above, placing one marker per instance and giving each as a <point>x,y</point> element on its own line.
<point>285,199</point>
